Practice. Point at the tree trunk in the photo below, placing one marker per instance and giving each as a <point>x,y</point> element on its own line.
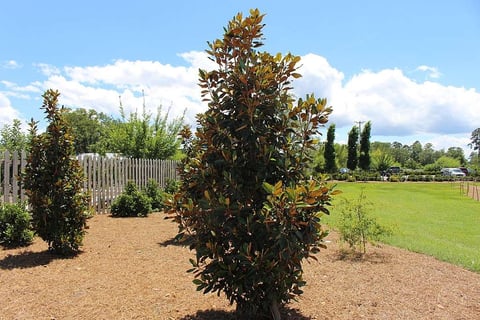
<point>275,310</point>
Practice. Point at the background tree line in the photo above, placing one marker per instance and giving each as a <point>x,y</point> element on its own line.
<point>137,135</point>
<point>155,136</point>
<point>360,153</point>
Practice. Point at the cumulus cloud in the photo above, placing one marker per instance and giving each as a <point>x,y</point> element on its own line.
<point>7,112</point>
<point>10,64</point>
<point>397,105</point>
<point>432,72</point>
<point>103,87</point>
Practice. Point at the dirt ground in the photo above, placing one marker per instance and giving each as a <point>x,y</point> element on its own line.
<point>129,269</point>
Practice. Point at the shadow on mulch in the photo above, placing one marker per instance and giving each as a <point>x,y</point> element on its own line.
<point>287,314</point>
<point>355,256</point>
<point>185,241</point>
<point>29,259</point>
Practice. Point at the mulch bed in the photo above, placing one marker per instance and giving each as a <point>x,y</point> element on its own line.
<point>131,269</point>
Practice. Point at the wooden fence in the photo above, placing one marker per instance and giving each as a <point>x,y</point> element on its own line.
<point>105,178</point>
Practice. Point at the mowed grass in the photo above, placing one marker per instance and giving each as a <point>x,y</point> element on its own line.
<point>430,218</point>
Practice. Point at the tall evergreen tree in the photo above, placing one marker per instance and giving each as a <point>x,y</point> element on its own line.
<point>329,152</point>
<point>53,181</point>
<point>352,159</point>
<point>364,158</point>
<point>253,214</point>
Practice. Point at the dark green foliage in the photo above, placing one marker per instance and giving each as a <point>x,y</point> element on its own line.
<point>245,200</point>
<point>155,194</point>
<point>15,225</point>
<point>90,130</point>
<point>131,203</point>
<point>364,157</point>
<point>352,160</point>
<point>53,181</point>
<point>329,152</point>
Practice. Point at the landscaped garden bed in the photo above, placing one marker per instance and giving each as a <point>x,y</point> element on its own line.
<point>130,268</point>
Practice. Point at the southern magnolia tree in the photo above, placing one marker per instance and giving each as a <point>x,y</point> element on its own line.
<point>251,213</point>
<point>53,181</point>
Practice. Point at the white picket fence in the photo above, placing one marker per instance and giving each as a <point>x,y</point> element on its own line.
<point>105,178</point>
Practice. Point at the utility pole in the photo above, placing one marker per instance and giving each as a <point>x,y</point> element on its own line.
<point>359,129</point>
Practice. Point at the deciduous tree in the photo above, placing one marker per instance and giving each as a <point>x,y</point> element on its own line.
<point>12,138</point>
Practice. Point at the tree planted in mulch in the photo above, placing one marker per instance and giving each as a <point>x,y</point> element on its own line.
<point>245,200</point>
<point>53,180</point>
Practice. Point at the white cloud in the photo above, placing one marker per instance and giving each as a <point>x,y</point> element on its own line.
<point>7,112</point>
<point>100,87</point>
<point>47,70</point>
<point>10,64</point>
<point>397,105</point>
<point>432,72</point>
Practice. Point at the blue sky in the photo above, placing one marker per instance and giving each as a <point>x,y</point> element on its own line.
<point>410,67</point>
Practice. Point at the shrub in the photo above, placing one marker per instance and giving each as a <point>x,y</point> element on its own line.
<point>155,194</point>
<point>357,227</point>
<point>53,181</point>
<point>245,198</point>
<point>171,186</point>
<point>131,203</point>
<point>15,225</point>
<point>394,178</point>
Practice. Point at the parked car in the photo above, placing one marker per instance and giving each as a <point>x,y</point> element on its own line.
<point>344,170</point>
<point>393,170</point>
<point>453,172</point>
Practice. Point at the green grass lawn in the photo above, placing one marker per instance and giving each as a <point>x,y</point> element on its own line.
<point>430,218</point>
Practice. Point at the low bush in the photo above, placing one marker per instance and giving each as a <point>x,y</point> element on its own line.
<point>131,203</point>
<point>172,186</point>
<point>15,225</point>
<point>155,195</point>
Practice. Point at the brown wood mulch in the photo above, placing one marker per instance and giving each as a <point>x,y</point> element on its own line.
<point>131,269</point>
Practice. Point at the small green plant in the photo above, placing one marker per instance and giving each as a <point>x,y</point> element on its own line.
<point>15,225</point>
<point>131,203</point>
<point>155,194</point>
<point>357,227</point>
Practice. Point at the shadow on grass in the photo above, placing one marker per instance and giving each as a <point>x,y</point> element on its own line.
<point>287,314</point>
<point>30,259</point>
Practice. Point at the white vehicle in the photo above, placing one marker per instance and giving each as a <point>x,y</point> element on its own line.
<point>453,172</point>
